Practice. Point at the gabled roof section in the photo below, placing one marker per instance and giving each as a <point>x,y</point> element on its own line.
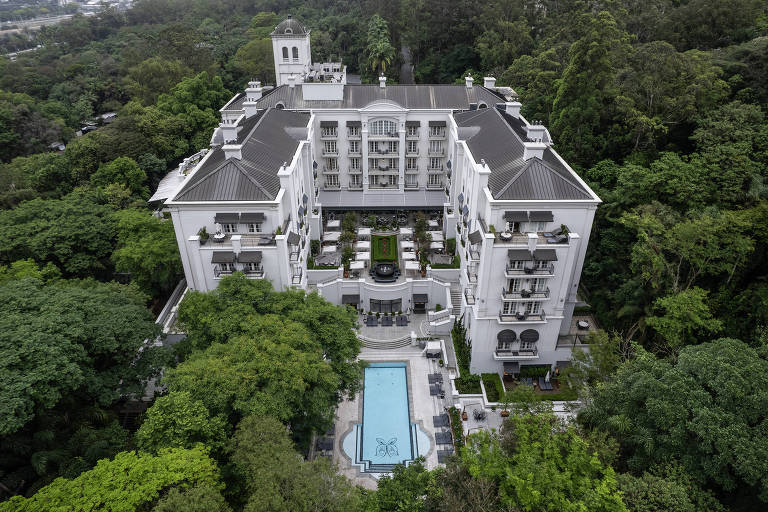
<point>268,140</point>
<point>446,96</point>
<point>498,138</point>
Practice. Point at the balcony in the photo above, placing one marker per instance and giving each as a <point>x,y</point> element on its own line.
<point>411,170</point>
<point>353,135</point>
<point>474,254</point>
<point>412,185</point>
<point>515,355</point>
<point>296,277</point>
<point>384,186</point>
<point>254,274</point>
<point>434,186</point>
<point>524,294</point>
<point>437,134</point>
<point>328,170</point>
<point>355,171</point>
<point>218,273</point>
<point>412,135</point>
<point>354,151</point>
<point>506,238</point>
<point>471,275</point>
<point>355,186</point>
<point>512,272</point>
<point>330,135</point>
<point>435,170</point>
<point>331,186</point>
<point>330,152</point>
<point>522,317</point>
<point>436,151</point>
<point>412,152</point>
<point>390,135</point>
<point>469,296</point>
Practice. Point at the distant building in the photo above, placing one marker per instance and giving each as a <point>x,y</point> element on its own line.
<point>286,164</point>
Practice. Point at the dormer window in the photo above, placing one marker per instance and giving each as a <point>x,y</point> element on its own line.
<point>289,31</point>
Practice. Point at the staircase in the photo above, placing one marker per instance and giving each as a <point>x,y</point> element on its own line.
<point>455,299</point>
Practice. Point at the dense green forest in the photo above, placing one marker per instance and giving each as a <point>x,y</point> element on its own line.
<point>660,105</point>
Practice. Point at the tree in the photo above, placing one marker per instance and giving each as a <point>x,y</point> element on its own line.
<point>154,76</point>
<point>406,490</point>
<point>74,233</point>
<point>582,113</point>
<point>686,317</point>
<point>705,412</point>
<point>673,491</point>
<point>123,171</point>
<point>599,362</point>
<point>255,60</point>
<point>379,51</point>
<point>67,338</point>
<point>274,477</point>
<point>21,269</point>
<point>201,498</point>
<point>146,248</point>
<point>126,483</point>
<point>540,464</point>
<point>177,420</point>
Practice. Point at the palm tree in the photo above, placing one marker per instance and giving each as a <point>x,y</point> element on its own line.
<point>379,50</point>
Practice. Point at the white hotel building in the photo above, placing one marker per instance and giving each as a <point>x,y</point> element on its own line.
<point>286,163</point>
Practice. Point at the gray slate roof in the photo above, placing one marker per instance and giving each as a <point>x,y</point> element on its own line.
<point>407,96</point>
<point>295,27</point>
<point>497,138</point>
<point>267,140</point>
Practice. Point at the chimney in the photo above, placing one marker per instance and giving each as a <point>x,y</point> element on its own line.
<point>291,81</point>
<point>253,92</point>
<point>489,82</point>
<point>228,132</point>
<point>537,132</point>
<point>469,80</point>
<point>382,81</point>
<point>534,150</point>
<point>232,151</point>
<point>513,108</point>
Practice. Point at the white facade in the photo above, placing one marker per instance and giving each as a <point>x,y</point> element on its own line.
<point>384,155</point>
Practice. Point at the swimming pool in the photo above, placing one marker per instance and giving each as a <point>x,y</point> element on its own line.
<point>387,434</point>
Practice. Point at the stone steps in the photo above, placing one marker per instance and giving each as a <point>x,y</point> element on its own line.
<point>455,300</point>
<point>385,344</point>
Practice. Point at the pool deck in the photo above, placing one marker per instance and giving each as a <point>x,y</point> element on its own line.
<point>423,408</point>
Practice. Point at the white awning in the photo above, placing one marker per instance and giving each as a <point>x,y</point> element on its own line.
<point>433,347</point>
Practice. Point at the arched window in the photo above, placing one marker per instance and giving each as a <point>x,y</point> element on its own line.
<point>295,53</point>
<point>280,105</point>
<point>482,105</point>
<point>285,53</point>
<point>383,128</point>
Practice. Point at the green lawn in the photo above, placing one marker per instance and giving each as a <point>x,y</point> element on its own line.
<point>384,248</point>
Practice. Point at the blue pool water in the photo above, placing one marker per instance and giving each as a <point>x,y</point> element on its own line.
<point>386,435</point>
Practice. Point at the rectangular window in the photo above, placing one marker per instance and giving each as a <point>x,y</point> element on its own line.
<point>435,163</point>
<point>332,180</point>
<point>229,228</point>
<point>532,308</point>
<point>536,227</point>
<point>328,131</point>
<point>410,163</point>
<point>393,180</point>
<point>411,179</point>
<point>539,284</point>
<point>354,179</point>
<point>527,345</point>
<point>392,146</point>
<point>383,128</point>
<point>329,147</point>
<point>332,164</point>
<point>507,308</point>
<point>413,147</point>
<point>542,265</point>
<point>514,285</point>
<point>354,163</point>
<point>513,227</point>
<point>413,131</point>
<point>354,146</point>
<point>375,164</point>
<point>354,131</point>
<point>436,131</point>
<point>436,147</point>
<point>254,227</point>
<point>372,146</point>
<point>393,163</point>
<point>434,179</point>
<point>516,265</point>
<point>252,267</point>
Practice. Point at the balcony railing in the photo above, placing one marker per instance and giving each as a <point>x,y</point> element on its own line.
<point>522,317</point>
<point>411,170</point>
<point>508,354</point>
<point>435,170</point>
<point>254,274</point>
<point>353,136</point>
<point>530,271</point>
<point>217,272</point>
<point>414,135</point>
<point>412,152</point>
<point>355,186</point>
<point>355,151</point>
<point>389,135</point>
<point>469,296</point>
<point>332,186</point>
<point>329,135</point>
<point>437,151</point>
<point>434,186</point>
<point>359,170</point>
<point>474,254</point>
<point>296,278</point>
<point>328,170</point>
<point>472,275</point>
<point>330,152</point>
<point>384,185</point>
<point>411,185</point>
<point>437,134</point>
<point>524,294</point>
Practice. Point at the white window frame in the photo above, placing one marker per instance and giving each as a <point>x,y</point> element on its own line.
<point>435,179</point>
<point>332,180</point>
<point>329,131</point>
<point>254,227</point>
<point>393,179</point>
<point>383,127</point>
<point>354,146</point>
<point>354,163</point>
<point>411,179</point>
<point>354,179</point>
<point>229,227</point>
<point>332,164</point>
<point>413,131</point>
<point>353,131</point>
<point>435,163</point>
<point>411,163</point>
<point>330,146</point>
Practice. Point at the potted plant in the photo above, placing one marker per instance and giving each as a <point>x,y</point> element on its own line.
<point>464,416</point>
<point>525,293</point>
<point>505,400</point>
<point>203,234</point>
<point>440,362</point>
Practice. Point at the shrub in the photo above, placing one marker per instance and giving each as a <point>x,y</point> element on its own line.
<point>493,386</point>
